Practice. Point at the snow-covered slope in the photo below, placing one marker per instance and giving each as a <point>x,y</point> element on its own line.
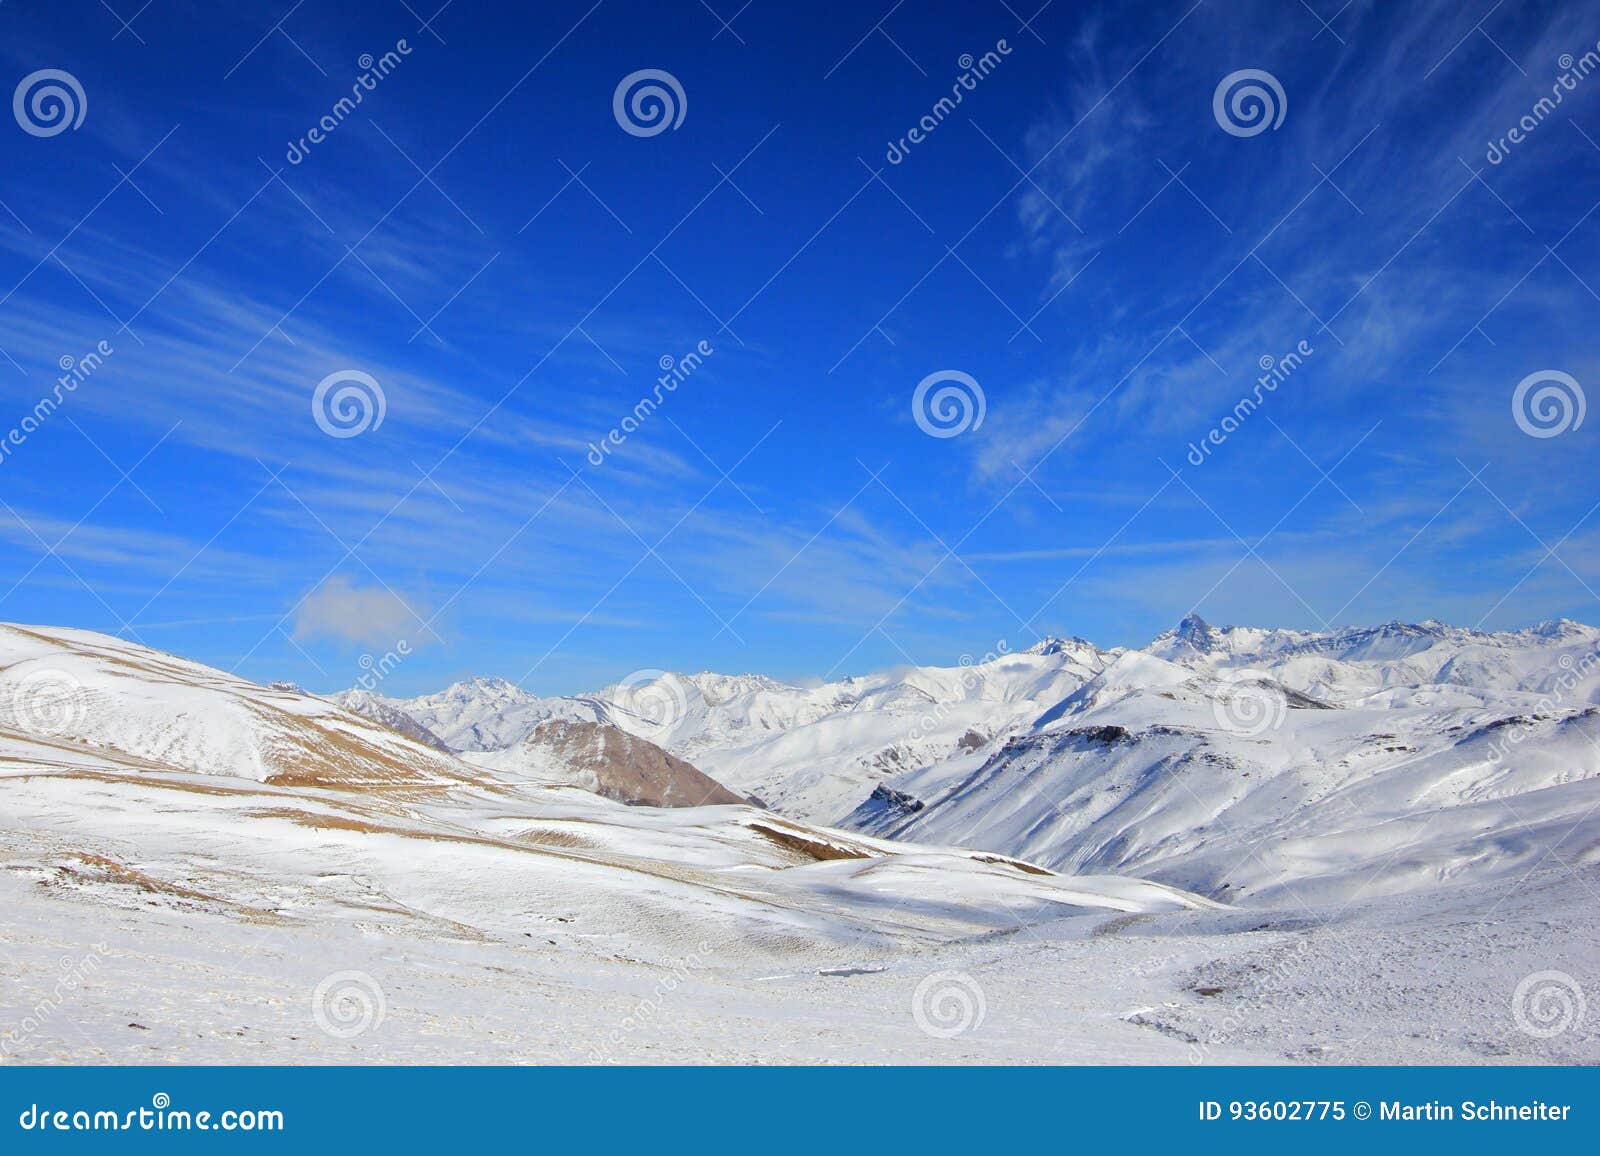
<point>1292,767</point>
<point>1443,664</point>
<point>125,699</point>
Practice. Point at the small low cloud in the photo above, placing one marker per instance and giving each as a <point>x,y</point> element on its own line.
<point>341,609</point>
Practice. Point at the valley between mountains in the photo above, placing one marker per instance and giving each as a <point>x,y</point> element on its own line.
<point>1230,845</point>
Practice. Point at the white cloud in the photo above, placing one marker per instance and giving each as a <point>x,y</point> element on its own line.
<point>340,609</point>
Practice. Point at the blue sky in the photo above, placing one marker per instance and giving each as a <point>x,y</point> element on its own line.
<point>1080,236</point>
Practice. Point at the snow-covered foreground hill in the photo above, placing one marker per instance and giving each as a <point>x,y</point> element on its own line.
<point>196,868</point>
<point>1416,981</point>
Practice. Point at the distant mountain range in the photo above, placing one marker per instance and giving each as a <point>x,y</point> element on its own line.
<point>1224,760</point>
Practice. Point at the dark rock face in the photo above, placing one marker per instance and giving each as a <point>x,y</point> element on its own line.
<point>1104,736</point>
<point>1199,634</point>
<point>881,812</point>
<point>887,796</point>
<point>1298,701</point>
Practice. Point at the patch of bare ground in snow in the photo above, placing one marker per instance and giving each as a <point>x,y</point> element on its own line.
<point>85,871</point>
<point>809,849</point>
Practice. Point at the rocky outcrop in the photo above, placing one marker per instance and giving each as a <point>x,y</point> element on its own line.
<point>624,767</point>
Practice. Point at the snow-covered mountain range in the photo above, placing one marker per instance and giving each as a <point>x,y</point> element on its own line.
<point>142,782</point>
<point>1228,761</point>
<point>1222,820</point>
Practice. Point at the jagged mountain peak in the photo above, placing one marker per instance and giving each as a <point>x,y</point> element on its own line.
<point>1196,631</point>
<point>1051,645</point>
<point>1192,635</point>
<point>492,683</point>
<point>1562,628</point>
